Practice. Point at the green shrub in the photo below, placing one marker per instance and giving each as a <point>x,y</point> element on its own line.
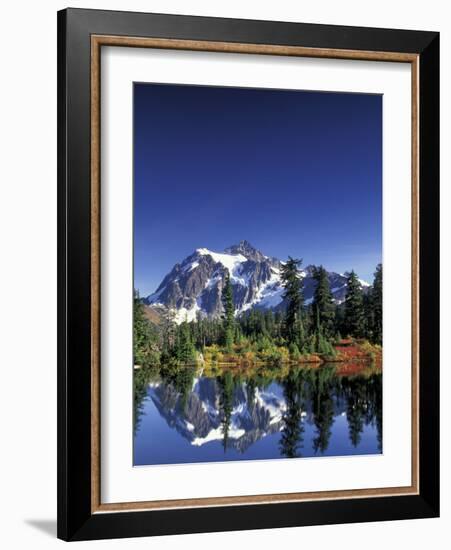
<point>295,354</point>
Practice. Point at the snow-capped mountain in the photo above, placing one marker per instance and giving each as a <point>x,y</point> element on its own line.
<point>199,420</point>
<point>194,286</point>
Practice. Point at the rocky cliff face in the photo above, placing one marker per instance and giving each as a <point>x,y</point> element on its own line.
<point>193,287</point>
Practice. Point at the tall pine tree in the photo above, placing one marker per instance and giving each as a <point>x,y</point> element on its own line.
<point>354,310</point>
<point>184,350</point>
<point>323,308</point>
<point>377,305</point>
<point>229,310</point>
<point>293,294</point>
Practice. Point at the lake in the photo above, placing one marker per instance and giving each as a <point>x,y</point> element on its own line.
<point>223,413</point>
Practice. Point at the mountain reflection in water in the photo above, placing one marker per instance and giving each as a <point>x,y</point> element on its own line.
<point>185,415</point>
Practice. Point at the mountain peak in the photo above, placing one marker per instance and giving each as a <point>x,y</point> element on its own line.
<point>246,249</point>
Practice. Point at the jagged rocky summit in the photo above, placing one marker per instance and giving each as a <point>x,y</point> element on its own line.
<point>193,287</point>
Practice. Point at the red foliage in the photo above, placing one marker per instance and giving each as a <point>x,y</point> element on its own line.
<point>351,352</point>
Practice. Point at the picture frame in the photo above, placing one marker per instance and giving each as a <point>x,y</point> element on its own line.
<point>81,36</point>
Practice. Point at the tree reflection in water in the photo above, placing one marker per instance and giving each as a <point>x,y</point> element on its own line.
<point>236,408</point>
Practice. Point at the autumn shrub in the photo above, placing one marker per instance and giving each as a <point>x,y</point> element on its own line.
<point>249,356</point>
<point>213,353</point>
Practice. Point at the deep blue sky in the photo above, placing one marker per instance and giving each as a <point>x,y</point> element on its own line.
<point>295,173</point>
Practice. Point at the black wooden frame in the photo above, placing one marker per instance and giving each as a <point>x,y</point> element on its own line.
<point>75,520</point>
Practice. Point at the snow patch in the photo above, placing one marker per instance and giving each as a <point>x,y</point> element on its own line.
<point>269,294</point>
<point>218,434</point>
<point>232,262</point>
<point>272,297</point>
<point>190,267</point>
<point>184,314</point>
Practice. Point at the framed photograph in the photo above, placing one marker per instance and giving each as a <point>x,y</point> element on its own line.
<point>248,274</point>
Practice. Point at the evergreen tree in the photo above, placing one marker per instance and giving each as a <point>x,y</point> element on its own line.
<point>377,305</point>
<point>292,431</point>
<point>355,409</point>
<point>323,308</point>
<point>318,343</point>
<point>278,324</point>
<point>226,387</point>
<point>168,329</point>
<point>295,354</point>
<point>185,351</point>
<point>139,331</point>
<point>293,294</point>
<point>377,399</point>
<point>300,332</point>
<point>369,315</point>
<point>228,316</point>
<point>182,381</point>
<point>340,327</point>
<point>354,310</point>
<point>140,388</point>
<point>269,322</point>
<point>145,348</point>
<point>323,346</point>
<point>323,408</point>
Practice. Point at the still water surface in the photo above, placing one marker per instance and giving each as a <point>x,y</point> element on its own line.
<point>187,415</point>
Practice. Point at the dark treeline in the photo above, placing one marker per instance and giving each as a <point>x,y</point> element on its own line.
<point>301,329</point>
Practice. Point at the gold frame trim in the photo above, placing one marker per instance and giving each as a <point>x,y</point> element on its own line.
<point>97,41</point>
